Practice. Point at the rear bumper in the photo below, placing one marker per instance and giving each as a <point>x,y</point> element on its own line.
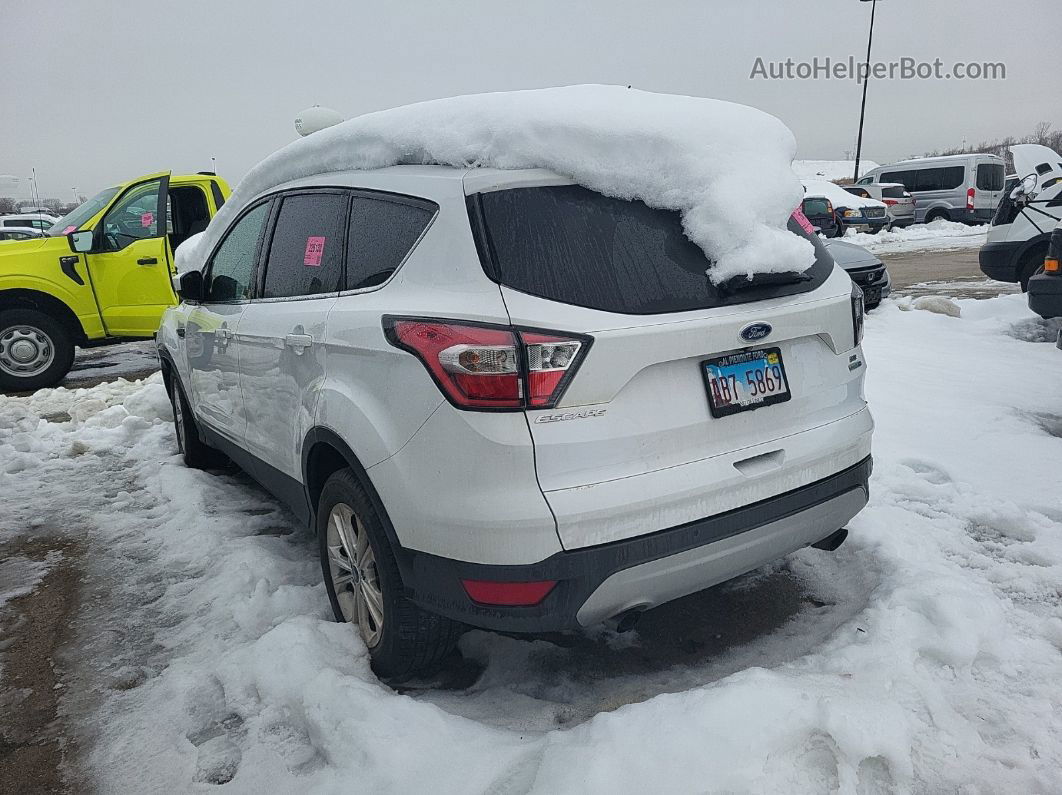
<point>594,583</point>
<point>1000,260</point>
<point>1045,295</point>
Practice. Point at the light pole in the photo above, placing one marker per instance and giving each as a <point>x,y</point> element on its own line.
<point>74,190</point>
<point>866,79</point>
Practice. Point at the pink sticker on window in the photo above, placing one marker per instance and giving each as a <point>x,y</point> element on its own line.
<point>805,224</point>
<point>314,251</point>
<point>69,229</point>
<point>147,219</point>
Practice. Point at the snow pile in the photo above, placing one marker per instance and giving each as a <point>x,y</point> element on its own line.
<point>725,167</point>
<point>924,655</point>
<point>940,235</point>
<point>830,169</point>
<point>837,195</point>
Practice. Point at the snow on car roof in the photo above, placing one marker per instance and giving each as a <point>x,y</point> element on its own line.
<point>838,195</point>
<point>705,158</point>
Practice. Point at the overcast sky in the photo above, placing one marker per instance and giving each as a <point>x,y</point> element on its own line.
<point>93,93</point>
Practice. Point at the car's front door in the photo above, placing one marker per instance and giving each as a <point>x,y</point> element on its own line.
<point>281,351</point>
<point>210,333</point>
<point>129,265</point>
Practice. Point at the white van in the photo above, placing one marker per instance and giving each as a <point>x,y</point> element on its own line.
<point>963,188</point>
<point>1021,227</point>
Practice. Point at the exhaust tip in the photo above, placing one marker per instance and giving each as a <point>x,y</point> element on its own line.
<point>832,541</point>
<point>625,621</point>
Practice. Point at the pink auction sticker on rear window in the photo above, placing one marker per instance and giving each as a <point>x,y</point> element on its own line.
<point>147,219</point>
<point>805,224</point>
<point>314,251</point>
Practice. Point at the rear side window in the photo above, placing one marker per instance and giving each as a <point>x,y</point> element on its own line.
<point>895,192</point>
<point>382,233</point>
<point>574,246</point>
<point>306,254</point>
<point>990,176</point>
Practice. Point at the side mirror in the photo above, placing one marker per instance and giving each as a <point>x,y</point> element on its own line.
<point>80,242</point>
<point>1025,187</point>
<point>190,286</point>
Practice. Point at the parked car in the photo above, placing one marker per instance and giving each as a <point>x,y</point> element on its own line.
<point>101,274</point>
<point>40,221</point>
<point>1021,227</point>
<point>899,204</point>
<point>568,425</point>
<point>962,188</point>
<point>867,271</point>
<point>19,233</point>
<point>819,211</point>
<point>1045,288</point>
<point>850,211</point>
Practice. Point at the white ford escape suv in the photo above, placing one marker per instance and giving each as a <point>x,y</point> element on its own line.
<point>507,401</point>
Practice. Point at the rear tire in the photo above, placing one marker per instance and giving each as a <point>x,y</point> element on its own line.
<point>36,350</point>
<point>196,454</point>
<point>365,587</point>
<point>936,215</point>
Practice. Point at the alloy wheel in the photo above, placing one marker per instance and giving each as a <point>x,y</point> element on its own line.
<point>355,579</point>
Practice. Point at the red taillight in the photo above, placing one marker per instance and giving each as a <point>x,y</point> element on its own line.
<point>890,202</point>
<point>969,198</point>
<point>491,367</point>
<point>508,594</point>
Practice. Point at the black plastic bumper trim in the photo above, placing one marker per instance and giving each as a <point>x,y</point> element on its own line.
<point>434,582</point>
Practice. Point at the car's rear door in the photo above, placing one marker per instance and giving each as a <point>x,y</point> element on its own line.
<point>281,332</point>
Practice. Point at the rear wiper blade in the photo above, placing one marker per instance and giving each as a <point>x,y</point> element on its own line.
<point>742,282</point>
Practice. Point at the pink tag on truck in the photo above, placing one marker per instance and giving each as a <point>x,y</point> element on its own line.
<point>314,251</point>
<point>805,224</point>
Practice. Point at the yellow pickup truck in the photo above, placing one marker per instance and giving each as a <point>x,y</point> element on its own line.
<point>102,274</point>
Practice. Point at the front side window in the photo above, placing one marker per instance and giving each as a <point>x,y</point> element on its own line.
<point>382,232</point>
<point>232,268</point>
<point>134,217</point>
<point>306,255</point>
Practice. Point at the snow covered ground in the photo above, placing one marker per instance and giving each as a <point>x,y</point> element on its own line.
<point>936,236</point>
<point>924,655</point>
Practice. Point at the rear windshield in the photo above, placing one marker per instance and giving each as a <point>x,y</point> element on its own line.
<point>575,246</point>
<point>895,192</point>
<point>816,207</point>
<point>990,176</point>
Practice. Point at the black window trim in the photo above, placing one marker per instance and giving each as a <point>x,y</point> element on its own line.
<point>352,192</point>
<point>208,267</point>
<point>160,212</point>
<point>258,289</point>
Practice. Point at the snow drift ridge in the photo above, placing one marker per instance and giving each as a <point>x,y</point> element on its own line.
<point>725,167</point>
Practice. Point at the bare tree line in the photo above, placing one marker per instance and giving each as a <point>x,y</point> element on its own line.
<point>1042,134</point>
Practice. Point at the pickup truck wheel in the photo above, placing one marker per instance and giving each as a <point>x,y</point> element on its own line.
<point>365,587</point>
<point>196,454</point>
<point>36,350</point>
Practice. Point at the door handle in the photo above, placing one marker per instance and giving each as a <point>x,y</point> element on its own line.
<point>148,261</point>
<point>223,333</point>
<point>299,342</point>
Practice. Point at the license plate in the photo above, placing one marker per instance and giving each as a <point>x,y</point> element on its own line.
<point>745,381</point>
<point>872,296</point>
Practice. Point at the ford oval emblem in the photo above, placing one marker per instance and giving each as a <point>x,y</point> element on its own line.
<point>756,331</point>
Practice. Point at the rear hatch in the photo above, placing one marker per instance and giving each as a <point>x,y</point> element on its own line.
<point>900,203</point>
<point>988,187</point>
<point>572,261</point>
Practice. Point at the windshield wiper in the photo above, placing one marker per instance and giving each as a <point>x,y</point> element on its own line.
<point>741,282</point>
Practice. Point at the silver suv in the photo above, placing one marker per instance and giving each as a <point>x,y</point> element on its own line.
<point>507,401</point>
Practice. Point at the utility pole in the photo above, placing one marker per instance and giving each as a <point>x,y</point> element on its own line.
<point>866,79</point>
